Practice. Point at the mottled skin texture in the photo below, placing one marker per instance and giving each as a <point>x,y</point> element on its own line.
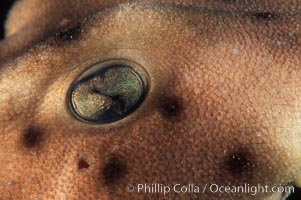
<point>225,81</point>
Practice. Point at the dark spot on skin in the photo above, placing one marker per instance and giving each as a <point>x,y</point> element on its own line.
<point>70,34</point>
<point>171,107</point>
<point>83,164</point>
<point>32,137</point>
<point>264,16</point>
<point>114,171</point>
<point>239,162</point>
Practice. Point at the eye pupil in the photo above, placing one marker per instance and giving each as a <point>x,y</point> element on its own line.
<point>107,94</point>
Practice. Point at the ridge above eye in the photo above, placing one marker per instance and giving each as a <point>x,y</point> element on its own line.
<point>108,91</point>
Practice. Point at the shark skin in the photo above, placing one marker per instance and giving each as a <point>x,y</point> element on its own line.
<point>223,105</point>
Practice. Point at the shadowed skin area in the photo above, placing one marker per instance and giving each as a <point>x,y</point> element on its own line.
<point>223,104</point>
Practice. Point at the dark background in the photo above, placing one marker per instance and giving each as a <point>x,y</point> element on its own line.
<point>5,5</point>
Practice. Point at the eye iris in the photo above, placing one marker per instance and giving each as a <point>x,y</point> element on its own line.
<point>108,95</point>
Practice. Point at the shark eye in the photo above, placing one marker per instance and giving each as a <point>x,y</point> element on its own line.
<point>108,91</point>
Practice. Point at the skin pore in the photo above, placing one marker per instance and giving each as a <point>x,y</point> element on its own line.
<point>222,107</point>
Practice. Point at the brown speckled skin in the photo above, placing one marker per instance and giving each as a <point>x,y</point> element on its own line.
<point>223,83</point>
